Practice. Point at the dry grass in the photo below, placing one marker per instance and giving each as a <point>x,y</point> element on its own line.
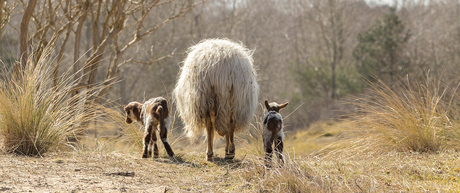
<point>35,115</point>
<point>320,136</point>
<point>189,172</point>
<point>251,140</point>
<point>410,116</point>
<point>344,167</point>
<point>351,163</point>
<point>402,141</point>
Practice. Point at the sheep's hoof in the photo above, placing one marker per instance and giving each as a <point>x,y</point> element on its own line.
<point>156,156</point>
<point>145,156</point>
<point>229,156</point>
<point>210,157</point>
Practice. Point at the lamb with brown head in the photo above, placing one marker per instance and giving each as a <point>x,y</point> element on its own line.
<point>153,115</point>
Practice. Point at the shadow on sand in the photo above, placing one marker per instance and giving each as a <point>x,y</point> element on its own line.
<point>219,161</point>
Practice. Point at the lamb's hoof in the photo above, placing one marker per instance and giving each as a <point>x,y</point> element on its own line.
<point>145,156</point>
<point>156,156</point>
<point>170,153</point>
<point>149,154</point>
<point>281,163</point>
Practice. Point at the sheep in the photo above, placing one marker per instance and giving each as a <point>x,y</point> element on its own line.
<point>273,131</point>
<point>217,91</point>
<point>153,115</point>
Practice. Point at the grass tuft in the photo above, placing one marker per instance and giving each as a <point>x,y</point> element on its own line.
<point>35,114</point>
<point>414,116</point>
<point>295,175</point>
<point>252,140</point>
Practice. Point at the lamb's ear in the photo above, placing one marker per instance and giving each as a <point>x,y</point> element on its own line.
<point>283,105</point>
<point>137,109</point>
<point>139,106</point>
<point>266,104</point>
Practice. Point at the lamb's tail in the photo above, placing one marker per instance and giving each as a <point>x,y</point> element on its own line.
<point>160,111</point>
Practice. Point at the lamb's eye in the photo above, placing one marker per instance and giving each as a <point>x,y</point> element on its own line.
<point>128,112</point>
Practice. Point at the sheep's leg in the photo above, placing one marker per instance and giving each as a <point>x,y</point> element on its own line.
<point>230,146</point>
<point>227,143</point>
<point>210,120</point>
<point>164,139</point>
<point>210,136</point>
<point>147,139</point>
<point>268,142</point>
<point>279,149</point>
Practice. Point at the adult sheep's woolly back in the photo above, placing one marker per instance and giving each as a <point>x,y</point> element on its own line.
<point>219,74</point>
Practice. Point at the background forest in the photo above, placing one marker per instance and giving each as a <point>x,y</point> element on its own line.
<point>312,53</point>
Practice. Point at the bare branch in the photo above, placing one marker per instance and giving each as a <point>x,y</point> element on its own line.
<point>157,59</point>
<point>5,13</point>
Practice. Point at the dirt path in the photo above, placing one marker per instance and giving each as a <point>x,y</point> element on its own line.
<point>112,172</point>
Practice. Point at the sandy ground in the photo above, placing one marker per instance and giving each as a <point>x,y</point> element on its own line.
<point>112,172</point>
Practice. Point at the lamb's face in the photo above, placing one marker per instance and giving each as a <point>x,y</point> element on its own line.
<point>132,111</point>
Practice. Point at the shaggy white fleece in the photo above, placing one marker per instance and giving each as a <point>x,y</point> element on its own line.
<point>219,74</point>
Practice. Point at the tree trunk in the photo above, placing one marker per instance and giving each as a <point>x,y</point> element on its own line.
<point>1,15</point>
<point>76,54</point>
<point>23,44</point>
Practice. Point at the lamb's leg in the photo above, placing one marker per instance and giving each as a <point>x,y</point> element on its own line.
<point>279,149</point>
<point>164,139</point>
<point>149,154</point>
<point>268,142</point>
<point>230,145</point>
<point>147,138</point>
<point>155,146</point>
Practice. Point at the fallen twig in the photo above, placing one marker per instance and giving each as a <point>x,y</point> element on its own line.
<point>119,174</point>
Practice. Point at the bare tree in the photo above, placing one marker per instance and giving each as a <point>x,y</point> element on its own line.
<point>56,21</point>
<point>23,37</point>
